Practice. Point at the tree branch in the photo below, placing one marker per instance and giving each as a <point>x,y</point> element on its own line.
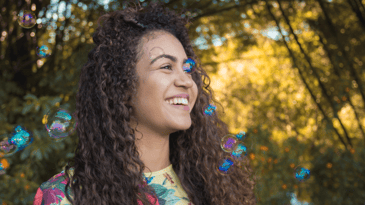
<point>301,75</point>
<point>321,85</point>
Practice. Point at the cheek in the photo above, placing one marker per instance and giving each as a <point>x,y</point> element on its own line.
<point>196,91</point>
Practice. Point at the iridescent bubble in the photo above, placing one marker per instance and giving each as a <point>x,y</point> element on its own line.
<point>26,19</point>
<point>229,143</point>
<point>225,165</point>
<point>209,109</point>
<point>241,136</point>
<point>6,147</point>
<point>59,123</point>
<point>189,66</point>
<point>239,152</point>
<point>21,138</point>
<point>43,51</point>
<point>301,174</point>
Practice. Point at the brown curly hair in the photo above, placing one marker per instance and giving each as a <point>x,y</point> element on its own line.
<point>106,151</point>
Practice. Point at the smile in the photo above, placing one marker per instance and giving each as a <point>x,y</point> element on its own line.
<point>180,107</point>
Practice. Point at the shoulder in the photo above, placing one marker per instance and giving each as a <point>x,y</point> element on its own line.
<point>53,191</point>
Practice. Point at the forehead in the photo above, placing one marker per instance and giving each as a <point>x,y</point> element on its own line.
<point>165,42</point>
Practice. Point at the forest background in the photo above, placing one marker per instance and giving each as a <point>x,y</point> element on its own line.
<point>288,73</point>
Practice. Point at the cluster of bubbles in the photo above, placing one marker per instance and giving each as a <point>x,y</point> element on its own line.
<point>27,19</point>
<point>59,124</point>
<point>234,145</point>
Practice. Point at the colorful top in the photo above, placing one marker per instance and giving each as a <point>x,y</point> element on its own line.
<point>165,183</point>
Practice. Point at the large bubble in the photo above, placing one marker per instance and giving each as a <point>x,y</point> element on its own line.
<point>229,143</point>
<point>26,19</point>
<point>59,123</point>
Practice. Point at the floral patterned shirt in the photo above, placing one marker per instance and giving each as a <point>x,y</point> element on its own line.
<point>165,183</point>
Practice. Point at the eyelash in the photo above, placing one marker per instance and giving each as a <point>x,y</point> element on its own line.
<point>170,68</point>
<point>167,66</point>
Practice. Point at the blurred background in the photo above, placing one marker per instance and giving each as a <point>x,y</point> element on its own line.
<point>290,74</point>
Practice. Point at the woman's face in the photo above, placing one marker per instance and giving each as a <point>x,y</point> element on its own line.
<point>161,78</point>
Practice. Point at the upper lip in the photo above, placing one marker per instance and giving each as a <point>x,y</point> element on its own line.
<point>183,95</point>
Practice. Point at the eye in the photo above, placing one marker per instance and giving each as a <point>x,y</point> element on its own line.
<point>169,66</point>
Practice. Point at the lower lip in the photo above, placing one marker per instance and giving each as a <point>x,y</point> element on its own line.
<point>181,107</point>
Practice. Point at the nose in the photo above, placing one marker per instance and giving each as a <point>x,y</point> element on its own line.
<point>184,79</point>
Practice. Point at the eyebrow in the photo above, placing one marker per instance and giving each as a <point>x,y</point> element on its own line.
<point>173,58</point>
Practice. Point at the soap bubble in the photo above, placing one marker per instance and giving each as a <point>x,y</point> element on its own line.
<point>229,143</point>
<point>189,66</point>
<point>241,136</point>
<point>6,148</point>
<point>225,165</point>
<point>301,174</point>
<point>239,152</point>
<point>43,51</point>
<point>26,19</point>
<point>21,138</point>
<point>59,123</point>
<point>16,141</point>
<point>209,109</point>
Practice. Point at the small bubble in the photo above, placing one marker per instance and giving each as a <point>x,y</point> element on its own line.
<point>16,141</point>
<point>241,136</point>
<point>59,123</point>
<point>21,138</point>
<point>239,152</point>
<point>301,174</point>
<point>209,109</point>
<point>43,51</point>
<point>6,148</point>
<point>26,19</point>
<point>189,66</point>
<point>225,165</point>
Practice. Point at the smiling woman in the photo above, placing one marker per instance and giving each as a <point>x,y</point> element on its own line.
<point>143,134</point>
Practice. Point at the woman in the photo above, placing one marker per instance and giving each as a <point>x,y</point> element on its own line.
<point>133,138</point>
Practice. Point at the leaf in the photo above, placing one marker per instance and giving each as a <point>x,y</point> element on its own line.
<point>70,155</point>
<point>45,155</point>
<point>25,154</point>
<point>27,108</point>
<point>30,96</point>
<point>38,154</point>
<point>55,100</point>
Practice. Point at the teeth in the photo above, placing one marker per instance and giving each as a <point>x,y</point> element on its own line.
<point>173,101</point>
